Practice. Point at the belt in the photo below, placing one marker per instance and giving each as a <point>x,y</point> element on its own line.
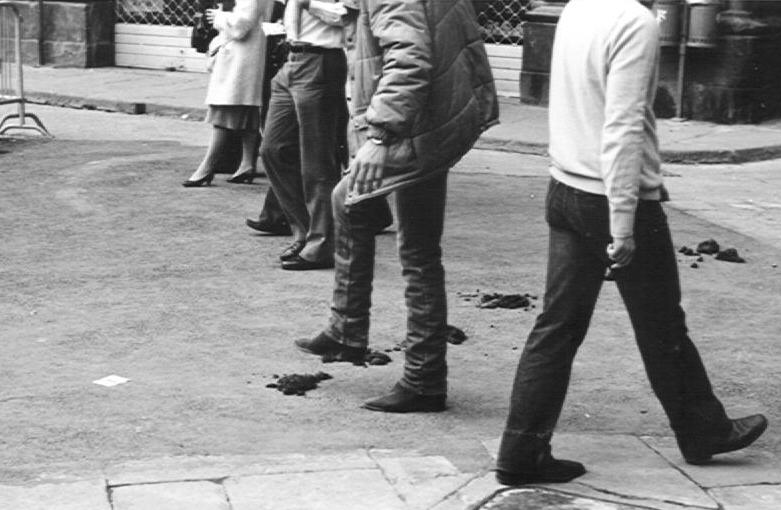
<point>308,48</point>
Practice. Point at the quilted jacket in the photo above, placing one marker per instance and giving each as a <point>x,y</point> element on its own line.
<point>422,82</point>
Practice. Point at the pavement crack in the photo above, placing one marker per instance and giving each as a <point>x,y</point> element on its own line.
<point>226,495</point>
<point>628,497</point>
<point>681,471</point>
<point>385,475</point>
<point>457,489</point>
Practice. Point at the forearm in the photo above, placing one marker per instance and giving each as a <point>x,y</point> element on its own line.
<point>333,13</point>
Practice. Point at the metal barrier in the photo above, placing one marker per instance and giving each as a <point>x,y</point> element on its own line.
<point>11,81</point>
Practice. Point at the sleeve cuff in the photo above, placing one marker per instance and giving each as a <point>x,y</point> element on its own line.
<point>621,223</point>
<point>378,133</point>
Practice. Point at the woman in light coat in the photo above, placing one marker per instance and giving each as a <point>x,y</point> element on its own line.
<point>235,93</point>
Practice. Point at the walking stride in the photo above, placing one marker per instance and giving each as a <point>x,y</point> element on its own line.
<point>604,212</point>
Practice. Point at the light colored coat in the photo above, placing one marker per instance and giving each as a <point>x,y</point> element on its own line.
<point>237,72</point>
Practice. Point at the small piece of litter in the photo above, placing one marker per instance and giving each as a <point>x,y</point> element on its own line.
<point>111,380</point>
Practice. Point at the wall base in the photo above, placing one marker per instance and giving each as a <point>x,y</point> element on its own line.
<point>75,34</point>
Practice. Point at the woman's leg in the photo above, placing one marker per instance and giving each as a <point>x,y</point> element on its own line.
<point>249,152</point>
<point>211,159</point>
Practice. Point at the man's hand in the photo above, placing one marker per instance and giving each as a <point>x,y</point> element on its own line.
<point>367,168</point>
<point>210,14</point>
<point>621,251</point>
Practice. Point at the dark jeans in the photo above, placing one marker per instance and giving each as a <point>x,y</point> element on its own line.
<point>420,209</point>
<point>303,132</point>
<point>650,289</point>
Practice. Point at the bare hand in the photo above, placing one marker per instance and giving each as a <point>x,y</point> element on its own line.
<point>621,251</point>
<point>210,14</point>
<point>367,168</point>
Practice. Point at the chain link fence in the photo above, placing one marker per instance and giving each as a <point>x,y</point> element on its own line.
<point>157,12</point>
<point>500,20</point>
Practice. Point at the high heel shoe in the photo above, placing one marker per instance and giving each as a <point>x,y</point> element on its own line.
<point>199,182</point>
<point>242,178</point>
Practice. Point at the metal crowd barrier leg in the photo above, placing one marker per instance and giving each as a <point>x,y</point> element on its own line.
<point>11,80</point>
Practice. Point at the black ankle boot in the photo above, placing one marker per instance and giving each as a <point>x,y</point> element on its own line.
<point>402,400</point>
<point>331,350</point>
<point>545,469</point>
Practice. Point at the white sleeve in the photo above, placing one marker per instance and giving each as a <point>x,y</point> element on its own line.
<point>237,23</point>
<point>632,67</point>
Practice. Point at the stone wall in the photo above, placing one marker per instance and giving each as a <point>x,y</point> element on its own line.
<point>75,33</point>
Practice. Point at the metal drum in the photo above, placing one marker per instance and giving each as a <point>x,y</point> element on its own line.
<point>703,31</point>
<point>668,15</point>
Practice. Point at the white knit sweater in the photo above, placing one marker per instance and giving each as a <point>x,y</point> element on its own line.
<point>602,126</point>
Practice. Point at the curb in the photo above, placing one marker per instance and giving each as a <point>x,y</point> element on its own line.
<point>112,105</point>
<point>684,157</point>
<point>680,157</point>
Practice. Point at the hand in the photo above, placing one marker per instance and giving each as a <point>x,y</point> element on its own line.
<point>210,14</point>
<point>367,168</point>
<point>621,251</point>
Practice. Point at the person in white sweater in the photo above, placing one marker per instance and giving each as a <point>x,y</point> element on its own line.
<point>604,211</point>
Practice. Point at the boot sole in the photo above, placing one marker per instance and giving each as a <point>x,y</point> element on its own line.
<point>517,479</point>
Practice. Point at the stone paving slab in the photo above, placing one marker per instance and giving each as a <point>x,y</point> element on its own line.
<point>750,466</point>
<point>623,468</point>
<point>363,489</point>
<point>83,495</point>
<point>755,497</point>
<point>212,468</point>
<point>170,496</point>
<point>422,482</point>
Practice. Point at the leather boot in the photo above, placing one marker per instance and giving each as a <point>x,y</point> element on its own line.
<point>698,449</point>
<point>545,469</point>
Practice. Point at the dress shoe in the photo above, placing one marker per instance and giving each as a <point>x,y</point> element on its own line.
<point>402,400</point>
<point>242,178</point>
<point>292,251</point>
<point>205,181</point>
<point>280,228</point>
<point>300,264</point>
<point>546,470</point>
<point>743,432</point>
<point>323,345</point>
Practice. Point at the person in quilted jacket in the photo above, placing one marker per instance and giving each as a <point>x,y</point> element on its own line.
<point>422,92</point>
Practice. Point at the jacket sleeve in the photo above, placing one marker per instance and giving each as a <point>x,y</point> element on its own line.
<point>632,67</point>
<point>401,30</point>
<point>237,23</point>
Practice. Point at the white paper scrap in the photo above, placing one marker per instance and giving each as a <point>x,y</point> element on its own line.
<point>111,380</point>
<point>272,28</point>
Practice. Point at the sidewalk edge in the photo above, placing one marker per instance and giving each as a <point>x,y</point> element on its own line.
<point>677,156</point>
